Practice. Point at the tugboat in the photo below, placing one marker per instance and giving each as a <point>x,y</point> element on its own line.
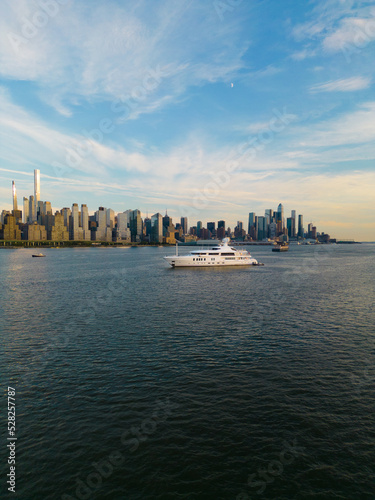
<point>281,247</point>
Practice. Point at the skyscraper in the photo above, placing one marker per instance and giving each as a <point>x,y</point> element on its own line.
<point>280,213</point>
<point>220,233</point>
<point>14,194</point>
<point>123,221</point>
<point>66,214</point>
<point>110,218</point>
<point>269,215</point>
<point>32,212</point>
<point>86,233</point>
<point>211,228</point>
<point>294,225</point>
<point>25,210</point>
<point>75,233</point>
<point>157,228</point>
<point>262,228</point>
<point>252,227</point>
<point>167,221</point>
<point>184,225</point>
<point>300,226</point>
<point>290,227</point>
<point>199,228</point>
<point>136,225</point>
<point>36,190</point>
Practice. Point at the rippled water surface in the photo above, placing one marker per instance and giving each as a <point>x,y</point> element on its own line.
<point>136,381</point>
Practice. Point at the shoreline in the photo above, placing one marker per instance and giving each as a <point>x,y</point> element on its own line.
<point>5,245</point>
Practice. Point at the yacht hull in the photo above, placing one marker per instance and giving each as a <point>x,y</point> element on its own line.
<point>187,261</point>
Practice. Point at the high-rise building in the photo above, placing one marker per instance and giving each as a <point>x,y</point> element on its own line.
<point>300,227</point>
<point>199,228</point>
<point>10,230</point>
<point>211,226</point>
<point>262,228</point>
<point>220,233</point>
<point>32,212</point>
<point>14,195</point>
<point>272,229</point>
<point>39,211</point>
<point>157,228</point>
<point>123,221</point>
<point>167,221</point>
<point>252,217</point>
<point>290,227</point>
<point>36,190</point>
<point>101,218</point>
<point>75,232</point>
<point>280,214</point>
<point>47,208</point>
<point>102,233</point>
<point>58,230</point>
<point>253,226</point>
<point>110,218</point>
<point>136,225</point>
<point>184,225</point>
<point>294,224</point>
<point>66,212</point>
<point>268,213</point>
<point>86,233</point>
<point>35,232</point>
<point>25,210</point>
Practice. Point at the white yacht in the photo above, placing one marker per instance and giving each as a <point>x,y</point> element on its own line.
<point>219,255</point>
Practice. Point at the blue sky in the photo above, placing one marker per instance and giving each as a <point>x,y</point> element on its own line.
<point>210,109</point>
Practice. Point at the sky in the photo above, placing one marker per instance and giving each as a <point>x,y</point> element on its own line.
<point>210,110</point>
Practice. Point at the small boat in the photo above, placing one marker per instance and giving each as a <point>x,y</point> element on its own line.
<point>38,255</point>
<point>283,247</point>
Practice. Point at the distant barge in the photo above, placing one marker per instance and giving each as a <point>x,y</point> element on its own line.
<point>280,248</point>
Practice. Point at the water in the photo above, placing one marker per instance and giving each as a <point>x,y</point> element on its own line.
<point>235,383</point>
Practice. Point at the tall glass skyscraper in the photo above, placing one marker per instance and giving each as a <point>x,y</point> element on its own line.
<point>36,190</point>
<point>14,194</point>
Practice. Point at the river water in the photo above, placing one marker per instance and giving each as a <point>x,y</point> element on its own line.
<point>137,381</point>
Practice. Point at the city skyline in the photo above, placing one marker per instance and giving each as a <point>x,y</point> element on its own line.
<point>33,206</point>
<point>207,110</point>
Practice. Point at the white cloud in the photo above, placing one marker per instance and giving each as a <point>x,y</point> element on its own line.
<point>303,54</point>
<point>353,33</point>
<point>105,51</point>
<point>350,128</point>
<point>343,85</point>
<point>346,26</point>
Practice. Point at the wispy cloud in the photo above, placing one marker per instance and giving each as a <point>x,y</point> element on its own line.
<point>343,85</point>
<point>303,54</point>
<point>352,32</point>
<point>104,51</point>
<point>335,26</point>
